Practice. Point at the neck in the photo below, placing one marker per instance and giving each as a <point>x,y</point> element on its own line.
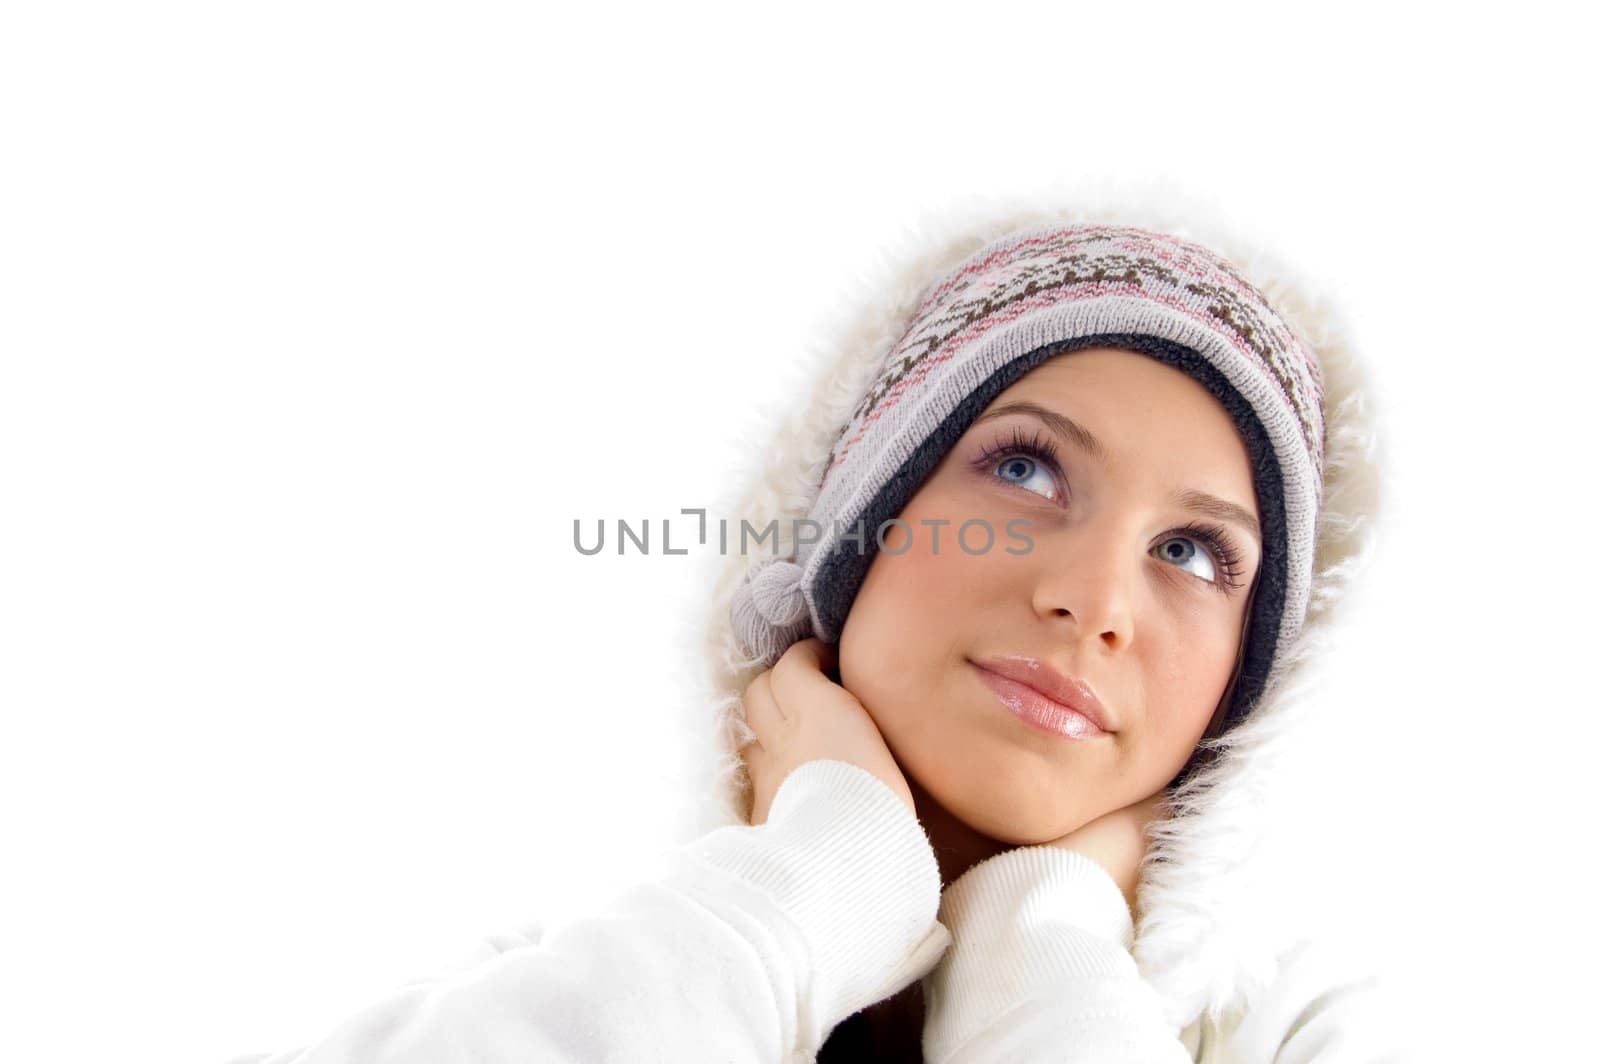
<point>957,846</point>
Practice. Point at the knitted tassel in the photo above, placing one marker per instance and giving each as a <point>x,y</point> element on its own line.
<point>769,609</point>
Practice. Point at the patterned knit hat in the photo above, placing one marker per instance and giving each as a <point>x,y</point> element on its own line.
<point>1023,298</point>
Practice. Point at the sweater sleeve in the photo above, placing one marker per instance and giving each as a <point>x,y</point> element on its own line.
<point>1040,968</point>
<point>739,949</point>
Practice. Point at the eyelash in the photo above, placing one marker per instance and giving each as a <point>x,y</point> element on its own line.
<point>1042,448</point>
<point>1222,546</point>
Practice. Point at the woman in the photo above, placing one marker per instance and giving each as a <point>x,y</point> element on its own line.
<point>1058,535</point>
<point>1157,423</point>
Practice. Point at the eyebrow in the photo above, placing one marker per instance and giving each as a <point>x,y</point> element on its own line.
<point>1060,424</point>
<point>1192,499</point>
<point>1201,502</point>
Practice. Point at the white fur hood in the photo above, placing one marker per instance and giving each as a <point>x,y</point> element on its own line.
<point>1201,941</point>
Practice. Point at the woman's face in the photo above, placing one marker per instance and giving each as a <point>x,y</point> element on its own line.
<point>1127,587</point>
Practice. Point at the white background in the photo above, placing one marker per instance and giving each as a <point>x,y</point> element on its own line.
<point>321,322</point>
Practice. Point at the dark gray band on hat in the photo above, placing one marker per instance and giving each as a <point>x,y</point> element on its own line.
<point>840,575</point>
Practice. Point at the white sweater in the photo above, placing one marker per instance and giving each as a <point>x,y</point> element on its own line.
<point>753,943</point>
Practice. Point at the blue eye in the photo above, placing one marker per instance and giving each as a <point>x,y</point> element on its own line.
<point>1031,464</point>
<point>1027,473</point>
<point>1173,551</point>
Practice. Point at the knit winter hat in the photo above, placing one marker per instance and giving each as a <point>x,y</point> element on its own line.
<point>1023,298</point>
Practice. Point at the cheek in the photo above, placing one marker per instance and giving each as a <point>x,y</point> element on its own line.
<point>873,641</point>
<point>904,627</point>
<point>1190,670</point>
<point>890,617</point>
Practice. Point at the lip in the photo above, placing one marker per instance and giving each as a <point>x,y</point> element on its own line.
<point>1044,698</point>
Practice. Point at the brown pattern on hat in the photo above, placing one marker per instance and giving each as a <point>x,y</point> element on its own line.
<point>1086,262</point>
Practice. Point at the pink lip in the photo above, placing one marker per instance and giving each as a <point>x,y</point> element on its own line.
<point>1044,698</point>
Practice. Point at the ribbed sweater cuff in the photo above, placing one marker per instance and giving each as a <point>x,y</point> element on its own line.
<point>850,866</point>
<point>1022,922</point>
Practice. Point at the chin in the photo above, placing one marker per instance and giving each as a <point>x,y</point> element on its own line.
<point>1019,833</point>
<point>1012,814</point>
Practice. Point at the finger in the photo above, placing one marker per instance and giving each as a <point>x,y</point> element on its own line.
<point>754,754</point>
<point>761,710</point>
<point>801,671</point>
<point>812,653</point>
<point>827,654</point>
<point>748,738</point>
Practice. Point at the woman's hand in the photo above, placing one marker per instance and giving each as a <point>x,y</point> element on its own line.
<point>799,714</point>
<point>1116,842</point>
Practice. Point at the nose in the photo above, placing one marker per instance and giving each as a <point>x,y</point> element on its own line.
<point>1086,585</point>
